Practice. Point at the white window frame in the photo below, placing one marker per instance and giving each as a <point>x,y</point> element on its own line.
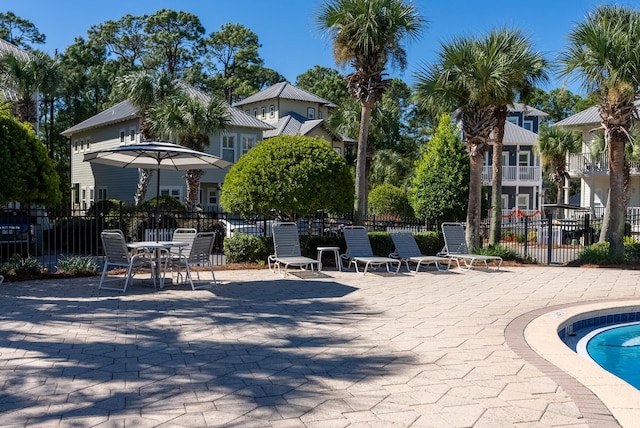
<point>174,191</point>
<point>264,112</point>
<point>522,198</point>
<point>528,125</point>
<point>319,114</point>
<point>255,112</point>
<point>311,113</point>
<point>505,158</point>
<point>224,147</point>
<point>272,110</point>
<point>514,119</point>
<point>82,144</point>
<point>527,155</point>
<point>505,201</point>
<point>247,142</point>
<point>212,195</point>
<point>123,134</point>
<point>132,134</point>
<point>75,146</point>
<point>87,144</point>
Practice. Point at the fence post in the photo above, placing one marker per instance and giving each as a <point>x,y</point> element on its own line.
<point>587,230</point>
<point>526,237</point>
<point>549,237</point>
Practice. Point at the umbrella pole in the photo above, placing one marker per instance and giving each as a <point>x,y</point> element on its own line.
<point>157,219</point>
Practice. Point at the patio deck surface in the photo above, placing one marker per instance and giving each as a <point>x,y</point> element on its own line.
<point>336,349</point>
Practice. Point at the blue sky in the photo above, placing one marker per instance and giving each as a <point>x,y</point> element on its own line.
<point>291,44</point>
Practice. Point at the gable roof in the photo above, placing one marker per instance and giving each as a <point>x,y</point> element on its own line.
<point>124,111</point>
<point>287,91</point>
<point>526,110</point>
<point>590,116</point>
<point>8,48</point>
<point>517,134</point>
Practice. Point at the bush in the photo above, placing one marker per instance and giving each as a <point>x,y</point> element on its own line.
<point>243,248</point>
<point>389,200</point>
<point>500,251</point>
<point>77,265</point>
<point>18,265</point>
<point>598,254</point>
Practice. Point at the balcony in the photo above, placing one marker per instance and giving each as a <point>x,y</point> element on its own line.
<point>512,175</point>
<point>581,164</point>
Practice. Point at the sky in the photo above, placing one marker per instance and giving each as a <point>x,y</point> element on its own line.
<point>291,42</point>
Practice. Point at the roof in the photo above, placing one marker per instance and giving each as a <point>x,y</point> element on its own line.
<point>287,91</point>
<point>124,111</point>
<point>8,48</point>
<point>517,134</point>
<point>295,124</point>
<point>590,116</point>
<point>526,110</point>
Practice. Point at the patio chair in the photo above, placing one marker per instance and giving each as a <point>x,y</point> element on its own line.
<point>407,251</point>
<point>286,243</point>
<point>455,248</point>
<point>117,255</point>
<point>359,250</point>
<point>199,254</point>
<point>182,235</point>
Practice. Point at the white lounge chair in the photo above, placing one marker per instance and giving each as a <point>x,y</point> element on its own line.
<point>359,250</point>
<point>455,248</point>
<point>407,251</point>
<point>286,243</point>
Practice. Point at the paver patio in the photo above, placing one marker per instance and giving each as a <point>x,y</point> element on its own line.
<point>331,350</point>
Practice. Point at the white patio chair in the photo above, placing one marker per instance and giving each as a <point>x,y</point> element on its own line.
<point>117,255</point>
<point>455,248</point>
<point>359,250</point>
<point>407,251</point>
<point>286,243</point>
<point>198,255</point>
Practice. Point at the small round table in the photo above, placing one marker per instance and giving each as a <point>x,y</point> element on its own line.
<point>336,254</point>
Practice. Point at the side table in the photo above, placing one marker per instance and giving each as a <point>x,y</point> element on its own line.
<point>336,254</point>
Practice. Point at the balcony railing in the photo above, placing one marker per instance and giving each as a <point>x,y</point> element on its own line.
<point>513,174</point>
<point>586,163</point>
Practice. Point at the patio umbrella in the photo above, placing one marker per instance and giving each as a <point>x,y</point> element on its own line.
<point>156,155</point>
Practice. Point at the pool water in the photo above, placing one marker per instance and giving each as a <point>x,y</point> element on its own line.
<point>616,349</point>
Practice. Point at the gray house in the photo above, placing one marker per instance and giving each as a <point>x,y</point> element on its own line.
<point>120,125</point>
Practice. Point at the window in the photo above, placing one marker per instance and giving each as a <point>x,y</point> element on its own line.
<point>505,201</point>
<point>122,134</point>
<point>505,158</point>
<point>92,194</point>
<point>311,113</point>
<point>83,198</point>
<point>338,150</point>
<point>82,145</point>
<point>229,148</point>
<point>102,193</point>
<point>528,125</point>
<point>319,114</point>
<point>264,110</point>
<point>75,146</point>
<point>246,143</point>
<point>272,110</point>
<point>514,120</point>
<point>523,202</point>
<point>132,135</point>
<point>173,191</point>
<point>212,197</point>
<point>523,159</point>
<point>88,144</point>
<point>255,112</point>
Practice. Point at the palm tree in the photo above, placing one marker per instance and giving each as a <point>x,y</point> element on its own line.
<point>553,145</point>
<point>604,52</point>
<point>367,34</point>
<point>517,68</point>
<point>144,90</point>
<point>459,79</point>
<point>24,75</point>
<point>190,120</point>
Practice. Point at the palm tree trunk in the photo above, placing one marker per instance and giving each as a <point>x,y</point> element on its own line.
<point>473,235</point>
<point>495,232</point>
<point>193,177</point>
<point>616,201</point>
<point>143,185</point>
<point>360,200</point>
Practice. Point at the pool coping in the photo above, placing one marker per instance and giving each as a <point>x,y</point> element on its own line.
<point>603,399</point>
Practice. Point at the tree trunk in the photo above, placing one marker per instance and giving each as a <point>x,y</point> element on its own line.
<point>495,231</point>
<point>360,200</point>
<point>473,236</point>
<point>193,177</point>
<point>604,232</point>
<point>143,185</point>
<point>616,201</point>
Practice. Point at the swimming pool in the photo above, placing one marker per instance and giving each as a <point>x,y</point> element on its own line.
<point>615,349</point>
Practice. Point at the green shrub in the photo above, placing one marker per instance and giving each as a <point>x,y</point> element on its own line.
<point>18,265</point>
<point>243,248</point>
<point>389,200</point>
<point>598,254</point>
<point>501,251</point>
<point>77,265</point>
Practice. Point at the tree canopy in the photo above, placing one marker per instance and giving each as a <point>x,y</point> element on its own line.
<point>295,176</point>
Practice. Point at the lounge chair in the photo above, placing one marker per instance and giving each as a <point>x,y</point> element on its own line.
<point>359,250</point>
<point>455,247</point>
<point>407,251</point>
<point>286,243</point>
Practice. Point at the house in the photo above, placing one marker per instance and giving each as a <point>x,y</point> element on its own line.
<point>120,125</point>
<point>593,168</point>
<point>522,191</point>
<point>294,111</point>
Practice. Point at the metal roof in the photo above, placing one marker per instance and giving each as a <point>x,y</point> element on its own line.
<point>124,111</point>
<point>514,134</point>
<point>590,116</point>
<point>526,110</point>
<point>287,91</point>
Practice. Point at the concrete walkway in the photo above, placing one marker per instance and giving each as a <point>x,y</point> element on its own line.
<point>331,350</point>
